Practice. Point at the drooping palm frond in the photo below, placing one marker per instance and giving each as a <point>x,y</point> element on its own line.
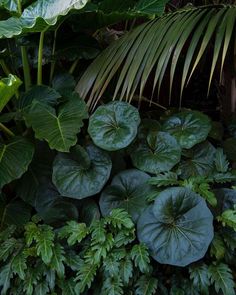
<point>155,47</point>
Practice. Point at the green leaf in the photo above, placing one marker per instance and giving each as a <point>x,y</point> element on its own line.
<point>85,276</point>
<point>177,228</point>
<point>19,265</point>
<point>199,161</point>
<point>6,275</point>
<point>58,129</point>
<point>68,287</point>
<point>164,179</point>
<point>38,17</point>
<point>160,152</point>
<point>128,190</point>
<point>64,84</point>
<point>7,248</point>
<point>17,153</point>
<point>112,286</point>
<point>199,276</point>
<point>229,146</point>
<point>74,232</point>
<point>188,127</point>
<point>221,276</point>
<point>151,7</point>
<point>100,250</point>
<point>221,162</point>
<point>119,218</point>
<point>45,243</point>
<point>8,87</point>
<point>224,177</point>
<point>57,260</point>
<point>7,232</point>
<point>204,190</point>
<point>114,126</point>
<point>146,286</point>
<point>10,5</point>
<point>218,247</point>
<point>228,218</point>
<point>140,256</point>
<point>98,231</point>
<point>126,269</point>
<point>82,173</point>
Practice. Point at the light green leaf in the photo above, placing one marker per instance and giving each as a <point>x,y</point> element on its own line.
<point>177,228</point>
<point>8,87</point>
<point>119,218</point>
<point>59,128</point>
<point>204,190</point>
<point>140,256</point>
<point>82,173</point>
<point>15,157</point>
<point>146,286</point>
<point>114,126</point>
<point>74,232</point>
<point>38,17</point>
<point>228,217</point>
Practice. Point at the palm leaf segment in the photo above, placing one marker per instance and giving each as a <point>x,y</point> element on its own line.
<point>156,47</point>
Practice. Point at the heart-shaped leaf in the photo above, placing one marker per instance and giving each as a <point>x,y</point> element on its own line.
<point>59,128</point>
<point>188,127</point>
<point>15,157</point>
<point>177,228</point>
<point>114,126</point>
<point>198,161</point>
<point>8,87</point>
<point>38,17</point>
<point>160,152</point>
<point>79,179</point>
<point>128,190</point>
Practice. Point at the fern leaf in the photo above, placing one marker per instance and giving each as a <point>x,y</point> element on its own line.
<point>6,275</point>
<point>229,236</point>
<point>111,266</point>
<point>74,232</point>
<point>199,276</point>
<point>19,265</point>
<point>100,250</point>
<point>57,260</point>
<point>51,278</point>
<point>45,243</point>
<point>120,218</point>
<point>140,256</point>
<point>228,217</point>
<point>146,286</point>
<point>73,261</point>
<point>124,237</point>
<point>224,177</point>
<point>31,233</point>
<point>85,276</point>
<point>98,231</point>
<point>7,248</point>
<point>68,287</point>
<point>221,162</point>
<point>221,276</point>
<point>126,270</point>
<point>204,190</point>
<point>112,286</point>
<point>165,179</point>
<point>217,247</point>
<point>42,289</point>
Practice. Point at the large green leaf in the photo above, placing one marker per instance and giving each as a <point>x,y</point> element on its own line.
<point>128,190</point>
<point>10,5</point>
<point>198,161</point>
<point>151,7</point>
<point>114,126</point>
<point>59,128</point>
<point>177,228</point>
<point>188,127</point>
<point>15,157</point>
<point>38,17</point>
<point>158,153</point>
<point>81,173</point>
<point>8,87</point>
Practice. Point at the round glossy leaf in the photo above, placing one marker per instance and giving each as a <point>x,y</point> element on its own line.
<point>80,179</point>
<point>229,146</point>
<point>158,153</point>
<point>177,228</point>
<point>15,157</point>
<point>114,126</point>
<point>88,211</point>
<point>198,161</point>
<point>128,190</point>
<point>188,127</point>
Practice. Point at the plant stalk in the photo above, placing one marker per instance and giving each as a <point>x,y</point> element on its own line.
<point>73,66</point>
<point>26,68</point>
<point>53,63</point>
<point>4,67</point>
<point>40,59</point>
<point>6,130</point>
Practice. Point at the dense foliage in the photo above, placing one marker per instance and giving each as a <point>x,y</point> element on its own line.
<point>124,200</point>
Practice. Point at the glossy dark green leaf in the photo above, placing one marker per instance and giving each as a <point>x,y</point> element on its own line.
<point>198,161</point>
<point>188,127</point>
<point>114,126</point>
<point>64,84</point>
<point>160,152</point>
<point>8,87</point>
<point>151,7</point>
<point>177,228</point>
<point>88,211</point>
<point>229,146</point>
<point>59,128</point>
<point>128,190</point>
<point>15,157</point>
<point>75,180</point>
<point>38,17</point>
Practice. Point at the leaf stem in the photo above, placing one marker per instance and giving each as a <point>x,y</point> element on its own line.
<point>6,130</point>
<point>53,63</point>
<point>19,6</point>
<point>73,66</point>
<point>40,58</point>
<point>4,67</point>
<point>26,68</point>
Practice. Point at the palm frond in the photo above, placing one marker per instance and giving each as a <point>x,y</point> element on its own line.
<point>155,47</point>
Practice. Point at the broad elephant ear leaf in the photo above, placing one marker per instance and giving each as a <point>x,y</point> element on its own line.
<point>177,228</point>
<point>15,157</point>
<point>198,161</point>
<point>80,179</point>
<point>114,126</point>
<point>188,127</point>
<point>8,87</point>
<point>58,127</point>
<point>159,152</point>
<point>128,190</point>
<point>38,17</point>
